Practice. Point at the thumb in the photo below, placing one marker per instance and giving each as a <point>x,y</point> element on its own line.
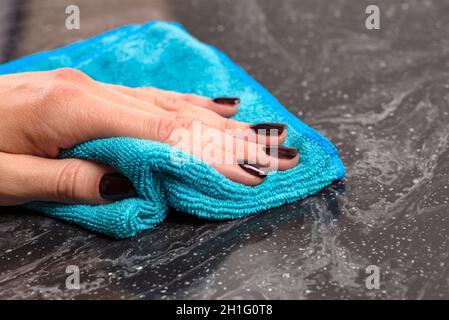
<point>28,178</point>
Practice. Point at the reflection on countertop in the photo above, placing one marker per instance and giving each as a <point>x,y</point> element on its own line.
<point>382,96</point>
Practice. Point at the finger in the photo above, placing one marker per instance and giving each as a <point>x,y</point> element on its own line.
<point>263,133</point>
<point>192,137</point>
<point>240,171</point>
<point>96,118</point>
<point>76,116</point>
<point>270,134</point>
<point>224,106</point>
<point>214,147</point>
<point>168,101</point>
<point>247,170</point>
<point>29,178</point>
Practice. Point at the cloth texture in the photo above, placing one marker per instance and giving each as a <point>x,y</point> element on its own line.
<point>166,56</point>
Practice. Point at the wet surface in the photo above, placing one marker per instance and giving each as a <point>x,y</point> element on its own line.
<point>382,96</point>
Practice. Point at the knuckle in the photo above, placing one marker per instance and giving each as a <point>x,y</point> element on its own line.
<point>182,107</point>
<point>54,98</point>
<point>167,102</point>
<point>169,127</point>
<point>225,124</point>
<point>173,115</point>
<point>58,90</point>
<point>69,74</point>
<point>184,123</point>
<point>69,179</point>
<point>165,127</point>
<point>56,101</point>
<point>191,97</point>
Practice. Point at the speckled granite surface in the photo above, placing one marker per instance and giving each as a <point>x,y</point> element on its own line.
<point>381,96</point>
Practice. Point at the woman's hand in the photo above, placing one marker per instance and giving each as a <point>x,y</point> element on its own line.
<point>44,112</point>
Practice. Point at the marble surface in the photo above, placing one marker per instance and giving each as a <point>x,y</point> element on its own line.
<point>382,96</point>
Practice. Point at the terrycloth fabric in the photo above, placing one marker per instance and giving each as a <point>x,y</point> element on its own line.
<point>164,55</point>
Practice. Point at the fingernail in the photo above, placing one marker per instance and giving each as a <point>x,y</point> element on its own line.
<point>281,152</point>
<point>267,128</point>
<point>115,186</point>
<point>253,169</point>
<point>227,100</point>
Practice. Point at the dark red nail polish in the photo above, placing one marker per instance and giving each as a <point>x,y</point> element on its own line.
<point>231,101</point>
<point>281,152</point>
<point>115,186</point>
<point>253,169</point>
<point>269,129</point>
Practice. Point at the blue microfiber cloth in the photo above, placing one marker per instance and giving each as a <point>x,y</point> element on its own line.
<point>166,56</point>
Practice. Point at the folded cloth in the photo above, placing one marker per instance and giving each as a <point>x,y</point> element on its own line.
<point>166,56</point>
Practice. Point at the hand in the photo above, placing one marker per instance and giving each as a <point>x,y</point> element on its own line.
<point>44,112</point>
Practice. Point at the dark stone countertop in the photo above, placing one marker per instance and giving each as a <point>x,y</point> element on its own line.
<point>382,96</point>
